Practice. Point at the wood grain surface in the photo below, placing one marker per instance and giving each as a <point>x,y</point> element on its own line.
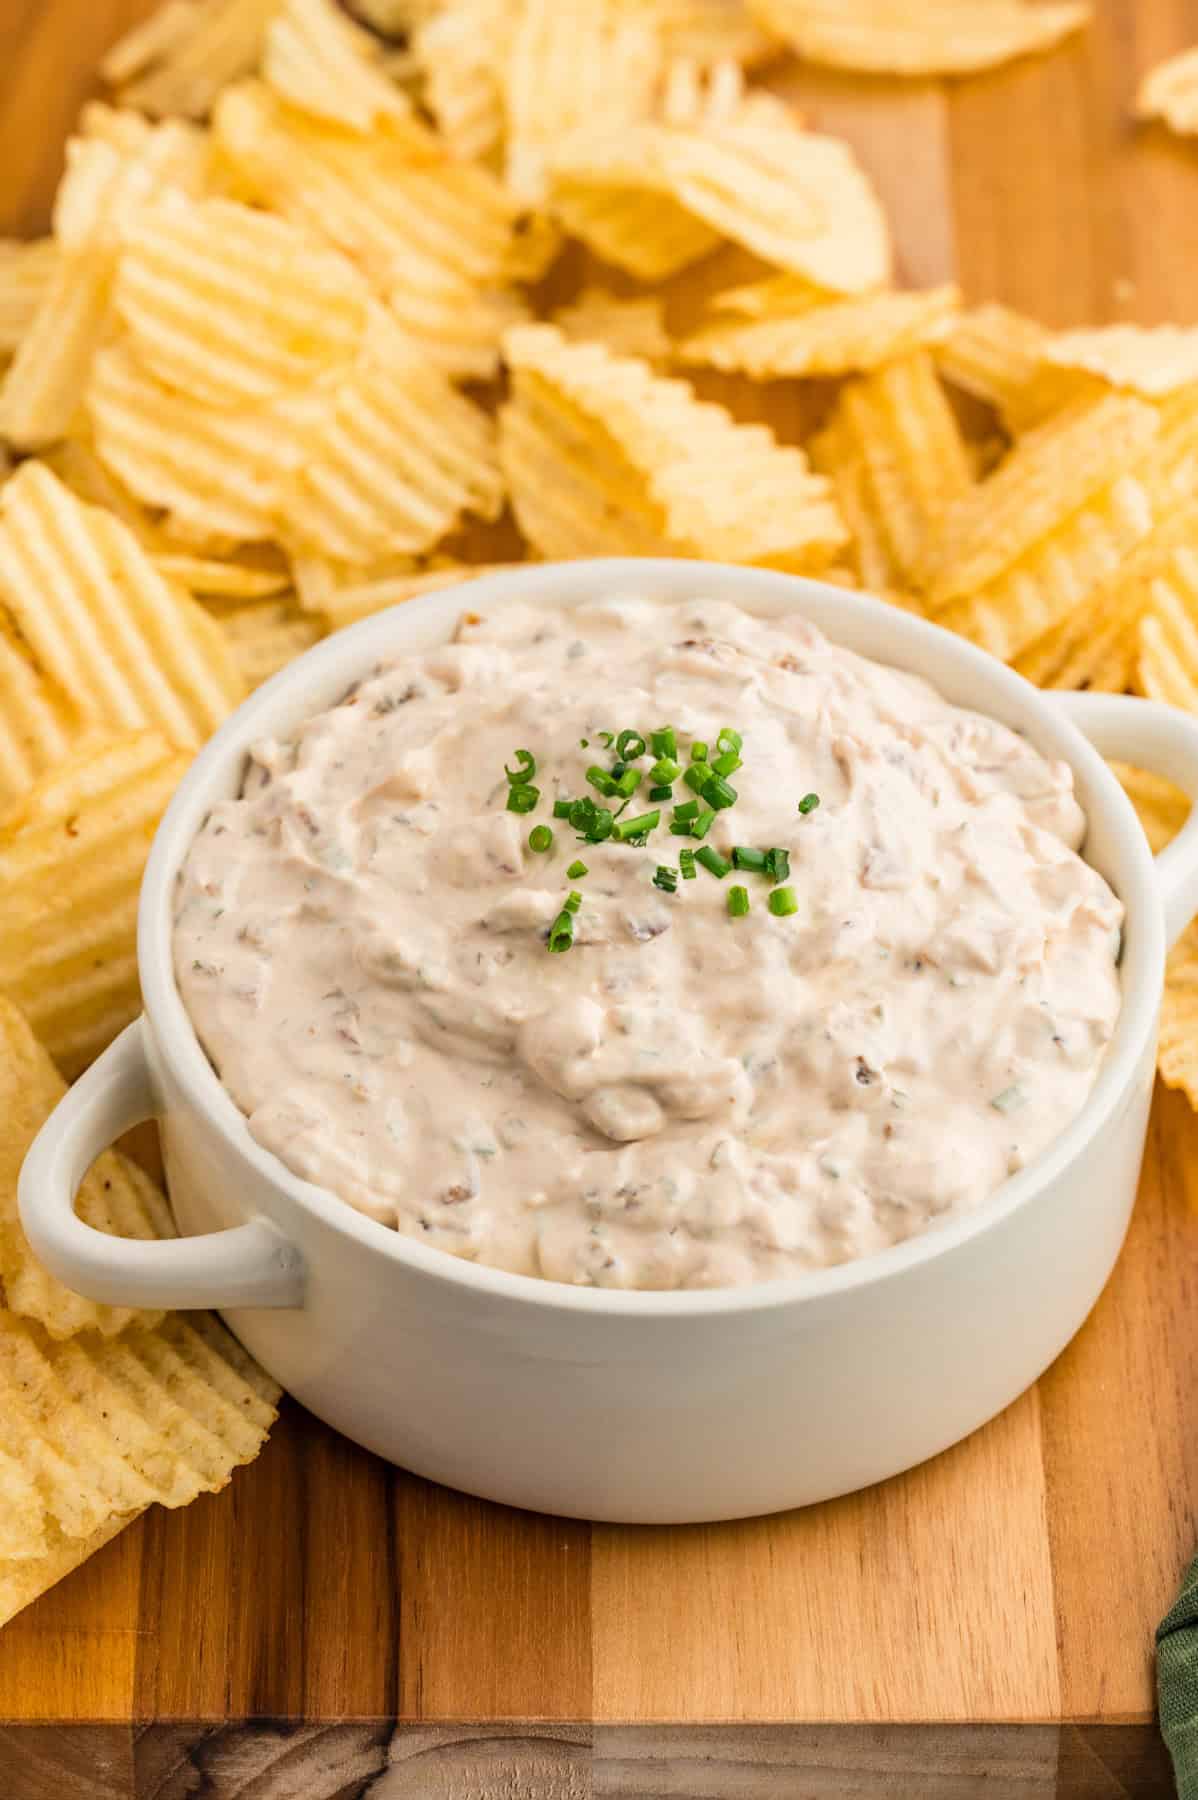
<point>981,1625</point>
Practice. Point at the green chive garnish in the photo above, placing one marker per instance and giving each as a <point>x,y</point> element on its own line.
<point>718,793</point>
<point>522,799</point>
<point>572,901</point>
<point>688,810</point>
<point>782,902</point>
<point>606,738</point>
<point>728,740</point>
<point>698,751</point>
<point>744,857</point>
<point>661,793</point>
<point>631,828</point>
<point>666,878</point>
<point>524,774</point>
<point>666,770</point>
<point>663,741</point>
<point>738,902</point>
<point>628,782</point>
<point>562,808</point>
<point>697,777</point>
<point>777,864</point>
<point>703,824</point>
<point>686,862</point>
<point>808,803</point>
<point>727,764</point>
<point>584,743</point>
<point>712,861</point>
<point>540,839</point>
<point>561,932</point>
<point>630,745</point>
<point>593,822</point>
<point>577,870</point>
<point>601,780</point>
<point>680,827</point>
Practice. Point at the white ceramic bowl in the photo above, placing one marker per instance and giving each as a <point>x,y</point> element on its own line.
<point>614,1405</point>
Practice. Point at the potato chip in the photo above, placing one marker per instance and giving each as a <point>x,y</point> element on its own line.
<point>316,58</point>
<point>653,197</point>
<point>785,327</point>
<point>1166,667</point>
<point>461,51</point>
<point>456,325</point>
<point>918,37</point>
<point>228,305</point>
<point>396,460</point>
<point>1050,474</point>
<point>836,453</point>
<point>226,580</point>
<point>72,852</point>
<point>1148,359</point>
<point>1177,1050</point>
<point>635,327</point>
<point>595,65</point>
<point>345,603</point>
<point>1161,808</point>
<point>173,153</point>
<point>26,271</point>
<point>396,202</point>
<point>397,18</point>
<point>180,65</point>
<point>24,1579</point>
<point>104,1426</point>
<point>997,356</point>
<point>897,434</point>
<point>126,648</point>
<point>712,31</point>
<point>115,1196</point>
<point>264,637</point>
<point>23,1535</point>
<point>38,724</point>
<point>1169,91</point>
<point>666,466</point>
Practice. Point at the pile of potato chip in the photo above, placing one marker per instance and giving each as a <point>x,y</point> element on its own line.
<point>338,309</point>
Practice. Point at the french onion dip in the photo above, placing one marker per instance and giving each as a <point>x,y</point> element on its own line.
<point>680,1092</point>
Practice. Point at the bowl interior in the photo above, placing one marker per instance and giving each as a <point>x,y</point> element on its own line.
<point>962,673</point>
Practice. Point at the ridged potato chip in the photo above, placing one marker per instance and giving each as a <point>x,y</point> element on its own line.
<point>713,31</point>
<point>72,851</point>
<point>266,635</point>
<point>918,37</point>
<point>346,603</point>
<point>115,1196</point>
<point>633,327</point>
<point>1149,360</point>
<point>180,63</point>
<point>784,327</point>
<point>461,51</point>
<point>23,1578</point>
<point>653,197</point>
<point>38,723</point>
<point>897,457</point>
<point>997,356</point>
<point>454,324</point>
<point>26,271</point>
<point>1177,1050</point>
<point>1161,808</point>
<point>1169,91</point>
<point>1166,665</point>
<point>226,580</point>
<point>316,58</point>
<point>127,649</point>
<point>228,305</point>
<point>662,464</point>
<point>1050,474</point>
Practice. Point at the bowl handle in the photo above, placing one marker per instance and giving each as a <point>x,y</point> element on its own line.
<point>249,1265</point>
<point>1164,740</point>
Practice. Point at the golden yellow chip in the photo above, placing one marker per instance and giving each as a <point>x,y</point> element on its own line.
<point>316,58</point>
<point>655,196</point>
<point>1177,1054</point>
<point>77,466</point>
<point>265,636</point>
<point>24,1578</point>
<point>785,327</point>
<point>396,460</point>
<point>997,356</point>
<point>1050,474</point>
<point>918,37</point>
<point>179,64</point>
<point>1166,666</point>
<point>347,602</point>
<point>72,851</point>
<point>634,327</point>
<point>454,324</point>
<point>712,31</point>
<point>228,305</point>
<point>461,51</point>
<point>126,648</point>
<point>646,462</point>
<point>396,201</point>
<point>1161,808</point>
<point>1148,359</point>
<point>226,580</point>
<point>25,274</point>
<point>38,724</point>
<point>104,1426</point>
<point>116,1196</point>
<point>896,450</point>
<point>1169,91</point>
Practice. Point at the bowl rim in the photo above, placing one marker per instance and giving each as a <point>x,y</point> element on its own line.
<point>349,652</point>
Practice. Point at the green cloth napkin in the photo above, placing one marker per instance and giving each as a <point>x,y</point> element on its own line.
<point>1177,1683</point>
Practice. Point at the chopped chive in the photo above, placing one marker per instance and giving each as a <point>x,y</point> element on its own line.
<point>686,862</point>
<point>782,902</point>
<point>528,767</point>
<point>522,799</point>
<point>630,745</point>
<point>718,793</point>
<point>744,857</point>
<point>665,770</point>
<point>680,827</point>
<point>727,764</point>
<point>561,932</point>
<point>661,793</point>
<point>631,828</point>
<point>584,743</point>
<point>663,741</point>
<point>540,839</point>
<point>697,777</point>
<point>712,861</point>
<point>562,808</point>
<point>593,822</point>
<point>703,823</point>
<point>808,803</point>
<point>698,751</point>
<point>688,810</point>
<point>600,780</point>
<point>738,902</point>
<point>728,740</point>
<point>777,863</point>
<point>628,783</point>
<point>577,870</point>
<point>606,738</point>
<point>617,769</point>
<point>572,901</point>
<point>666,878</point>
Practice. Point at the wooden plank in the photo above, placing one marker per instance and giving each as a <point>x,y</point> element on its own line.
<point>73,1653</point>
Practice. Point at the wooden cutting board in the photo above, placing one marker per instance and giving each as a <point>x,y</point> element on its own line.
<point>982,1625</point>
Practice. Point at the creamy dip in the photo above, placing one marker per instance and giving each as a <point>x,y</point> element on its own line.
<point>683,1098</point>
